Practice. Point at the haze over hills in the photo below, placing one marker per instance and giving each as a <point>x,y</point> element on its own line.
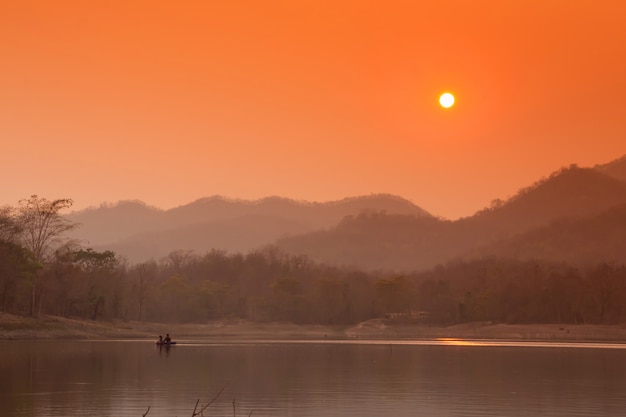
<point>381,231</point>
<point>615,169</point>
<point>577,197</point>
<point>570,192</point>
<point>579,241</point>
<point>141,232</point>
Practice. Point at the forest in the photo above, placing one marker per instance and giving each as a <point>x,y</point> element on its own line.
<point>44,273</point>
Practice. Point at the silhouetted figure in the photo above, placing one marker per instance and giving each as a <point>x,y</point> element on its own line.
<point>168,339</point>
<point>160,339</point>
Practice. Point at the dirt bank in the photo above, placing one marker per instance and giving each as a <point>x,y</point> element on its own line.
<point>49,327</point>
<point>540,332</point>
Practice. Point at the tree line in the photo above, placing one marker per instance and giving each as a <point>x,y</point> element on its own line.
<point>43,273</point>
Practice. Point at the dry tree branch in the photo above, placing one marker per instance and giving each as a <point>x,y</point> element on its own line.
<point>207,404</point>
<point>199,412</point>
<point>235,410</point>
<point>195,407</point>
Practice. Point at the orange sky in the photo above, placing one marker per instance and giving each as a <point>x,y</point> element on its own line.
<point>168,102</point>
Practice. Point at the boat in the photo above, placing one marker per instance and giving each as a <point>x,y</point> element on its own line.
<point>164,343</point>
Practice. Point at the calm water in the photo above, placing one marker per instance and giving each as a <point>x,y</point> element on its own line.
<point>449,378</point>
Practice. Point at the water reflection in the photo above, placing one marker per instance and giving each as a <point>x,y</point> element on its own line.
<point>163,349</point>
<point>444,377</point>
<point>500,343</point>
<point>444,341</point>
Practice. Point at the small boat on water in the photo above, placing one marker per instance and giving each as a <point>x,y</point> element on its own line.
<point>167,341</point>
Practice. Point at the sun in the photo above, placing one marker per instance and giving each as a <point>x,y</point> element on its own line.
<point>446,100</point>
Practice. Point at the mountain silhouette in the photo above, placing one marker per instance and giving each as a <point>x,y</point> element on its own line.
<point>568,193</point>
<point>615,169</point>
<point>573,215</point>
<point>583,241</point>
<point>140,232</point>
<point>400,242</point>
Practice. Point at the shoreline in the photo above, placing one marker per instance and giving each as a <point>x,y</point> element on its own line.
<point>53,328</point>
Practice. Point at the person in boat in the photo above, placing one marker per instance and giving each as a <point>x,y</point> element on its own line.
<point>167,339</point>
<point>160,339</point>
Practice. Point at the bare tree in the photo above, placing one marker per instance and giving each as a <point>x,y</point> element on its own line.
<point>42,228</point>
<point>9,228</point>
<point>144,273</point>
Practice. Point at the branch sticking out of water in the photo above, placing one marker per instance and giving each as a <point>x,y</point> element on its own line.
<point>235,410</point>
<point>204,407</point>
<point>199,412</point>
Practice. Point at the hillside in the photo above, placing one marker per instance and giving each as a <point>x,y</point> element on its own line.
<point>571,192</point>
<point>588,240</point>
<point>140,232</point>
<point>565,216</point>
<point>105,224</point>
<point>239,234</point>
<point>385,241</point>
<point>377,241</point>
<point>615,169</point>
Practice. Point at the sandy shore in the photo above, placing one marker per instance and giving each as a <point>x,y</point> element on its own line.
<point>49,327</point>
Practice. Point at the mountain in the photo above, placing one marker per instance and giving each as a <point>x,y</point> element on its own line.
<point>239,234</point>
<point>378,241</point>
<point>573,215</point>
<point>588,240</point>
<point>401,242</point>
<point>107,223</point>
<point>615,169</point>
<point>568,193</point>
<point>141,232</point>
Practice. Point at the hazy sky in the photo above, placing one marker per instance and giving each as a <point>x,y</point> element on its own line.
<point>171,101</point>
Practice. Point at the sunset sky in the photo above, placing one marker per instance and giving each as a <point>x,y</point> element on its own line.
<point>171,101</point>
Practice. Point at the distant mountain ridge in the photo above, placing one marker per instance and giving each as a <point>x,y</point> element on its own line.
<point>570,192</point>
<point>574,215</point>
<point>586,240</point>
<point>615,169</point>
<point>141,232</point>
<point>573,196</point>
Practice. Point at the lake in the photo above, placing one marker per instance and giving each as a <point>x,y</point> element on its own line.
<point>312,379</point>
